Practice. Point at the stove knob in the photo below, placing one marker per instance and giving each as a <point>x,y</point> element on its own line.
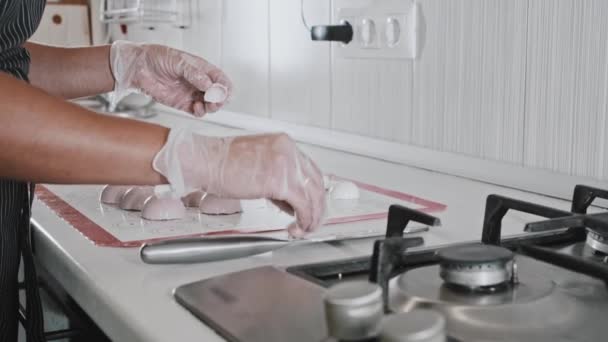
<point>353,310</point>
<point>419,325</point>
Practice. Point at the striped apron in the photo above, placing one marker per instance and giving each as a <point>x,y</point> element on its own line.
<point>18,21</point>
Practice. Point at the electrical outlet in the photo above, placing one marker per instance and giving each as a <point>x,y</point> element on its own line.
<point>382,29</point>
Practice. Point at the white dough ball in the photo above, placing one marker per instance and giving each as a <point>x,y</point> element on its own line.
<point>193,200</point>
<point>213,205</point>
<point>135,198</point>
<point>112,194</point>
<point>344,191</point>
<point>216,93</point>
<point>163,209</point>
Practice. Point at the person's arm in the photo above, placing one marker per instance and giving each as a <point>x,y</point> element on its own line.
<point>172,77</point>
<point>70,72</point>
<point>46,139</point>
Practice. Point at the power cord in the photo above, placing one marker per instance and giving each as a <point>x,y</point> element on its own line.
<point>337,33</point>
<point>303,16</point>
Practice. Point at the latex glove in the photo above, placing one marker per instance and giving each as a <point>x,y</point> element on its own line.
<point>171,77</point>
<point>246,167</point>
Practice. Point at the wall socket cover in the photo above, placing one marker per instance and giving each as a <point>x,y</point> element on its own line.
<point>393,29</point>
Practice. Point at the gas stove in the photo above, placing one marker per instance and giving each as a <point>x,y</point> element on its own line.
<point>547,285</point>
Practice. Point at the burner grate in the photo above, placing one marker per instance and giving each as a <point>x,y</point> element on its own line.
<point>391,256</point>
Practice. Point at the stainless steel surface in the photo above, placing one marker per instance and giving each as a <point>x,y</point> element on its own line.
<point>582,249</point>
<point>206,249</point>
<point>494,291</point>
<point>548,304</point>
<point>420,325</point>
<point>127,12</point>
<point>265,304</point>
<point>258,305</point>
<point>353,310</point>
<point>597,242</point>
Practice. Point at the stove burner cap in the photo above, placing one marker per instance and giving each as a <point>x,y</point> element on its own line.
<point>597,241</point>
<point>476,266</point>
<point>475,254</point>
<point>353,310</point>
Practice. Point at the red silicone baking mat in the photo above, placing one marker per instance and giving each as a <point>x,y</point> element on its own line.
<point>107,225</point>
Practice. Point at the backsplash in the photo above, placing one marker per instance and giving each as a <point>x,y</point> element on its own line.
<point>520,81</point>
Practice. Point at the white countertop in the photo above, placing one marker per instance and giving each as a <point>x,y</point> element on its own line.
<point>132,301</point>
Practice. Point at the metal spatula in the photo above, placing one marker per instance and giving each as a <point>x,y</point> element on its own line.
<point>205,249</point>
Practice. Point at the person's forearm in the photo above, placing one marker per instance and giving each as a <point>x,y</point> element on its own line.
<point>45,139</point>
<point>70,72</point>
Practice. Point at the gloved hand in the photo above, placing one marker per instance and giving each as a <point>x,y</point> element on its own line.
<point>246,167</point>
<point>171,77</point>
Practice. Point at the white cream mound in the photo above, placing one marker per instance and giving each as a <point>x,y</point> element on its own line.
<point>135,198</point>
<point>112,194</point>
<point>163,209</point>
<point>344,191</point>
<point>217,93</point>
<point>213,205</point>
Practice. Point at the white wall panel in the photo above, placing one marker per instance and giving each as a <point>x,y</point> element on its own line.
<point>245,57</point>
<point>432,81</point>
<point>372,98</point>
<point>603,150</point>
<point>300,82</point>
<point>590,88</point>
<point>503,79</point>
<point>204,36</point>
<point>522,81</point>
<point>469,80</point>
<point>566,103</point>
